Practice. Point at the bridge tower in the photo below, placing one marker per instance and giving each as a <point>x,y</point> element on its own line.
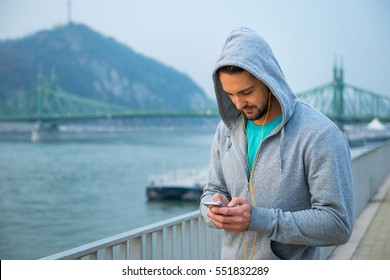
<point>39,100</point>
<point>338,92</point>
<point>41,130</point>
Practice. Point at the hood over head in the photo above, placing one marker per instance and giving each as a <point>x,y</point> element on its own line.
<point>247,50</point>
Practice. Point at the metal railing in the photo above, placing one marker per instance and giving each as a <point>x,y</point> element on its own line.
<point>188,237</point>
<point>184,237</point>
<point>370,169</point>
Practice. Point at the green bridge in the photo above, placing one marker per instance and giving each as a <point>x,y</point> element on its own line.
<point>51,105</point>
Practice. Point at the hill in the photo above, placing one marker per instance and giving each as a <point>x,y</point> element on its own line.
<point>91,65</point>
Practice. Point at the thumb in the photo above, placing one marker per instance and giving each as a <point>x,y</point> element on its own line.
<point>237,201</point>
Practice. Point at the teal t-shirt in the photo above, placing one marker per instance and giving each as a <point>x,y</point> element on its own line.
<point>254,136</point>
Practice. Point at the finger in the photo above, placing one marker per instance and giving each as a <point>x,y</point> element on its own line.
<point>220,219</point>
<point>237,201</point>
<point>229,222</point>
<point>220,198</point>
<point>229,226</point>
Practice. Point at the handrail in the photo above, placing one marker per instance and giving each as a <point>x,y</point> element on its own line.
<point>182,237</point>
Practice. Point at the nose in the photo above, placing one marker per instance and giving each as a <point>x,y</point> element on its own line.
<point>239,102</point>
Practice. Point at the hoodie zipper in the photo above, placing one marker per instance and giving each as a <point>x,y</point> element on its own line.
<point>251,176</point>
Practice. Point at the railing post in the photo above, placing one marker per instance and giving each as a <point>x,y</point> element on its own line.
<point>108,254</point>
<point>179,242</point>
<point>203,240</point>
<point>159,246</point>
<point>168,248</point>
<point>147,246</point>
<point>195,239</point>
<point>136,248</point>
<point>186,240</point>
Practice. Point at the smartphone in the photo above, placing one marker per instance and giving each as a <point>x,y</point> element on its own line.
<point>213,203</point>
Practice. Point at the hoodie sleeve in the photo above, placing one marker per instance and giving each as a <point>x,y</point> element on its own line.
<point>329,176</point>
<point>216,183</point>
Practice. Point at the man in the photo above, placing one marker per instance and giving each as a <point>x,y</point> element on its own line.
<point>281,169</point>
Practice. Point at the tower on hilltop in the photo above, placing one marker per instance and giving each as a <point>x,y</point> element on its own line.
<point>69,12</point>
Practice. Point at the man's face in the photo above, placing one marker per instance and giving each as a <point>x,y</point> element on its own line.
<point>248,93</point>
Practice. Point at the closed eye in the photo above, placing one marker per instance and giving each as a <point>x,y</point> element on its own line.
<point>244,93</point>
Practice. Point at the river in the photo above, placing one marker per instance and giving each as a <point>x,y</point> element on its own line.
<point>61,194</point>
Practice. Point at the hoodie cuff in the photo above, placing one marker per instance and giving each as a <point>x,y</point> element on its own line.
<point>262,220</point>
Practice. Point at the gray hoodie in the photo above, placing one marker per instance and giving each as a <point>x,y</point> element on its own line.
<point>302,178</point>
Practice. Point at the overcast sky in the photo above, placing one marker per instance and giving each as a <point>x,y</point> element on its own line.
<point>305,35</point>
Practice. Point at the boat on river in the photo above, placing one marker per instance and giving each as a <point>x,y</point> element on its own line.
<point>186,186</point>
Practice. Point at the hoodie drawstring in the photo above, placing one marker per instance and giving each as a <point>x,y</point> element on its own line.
<point>281,145</point>
<point>251,178</point>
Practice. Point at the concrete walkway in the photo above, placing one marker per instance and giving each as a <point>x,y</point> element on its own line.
<point>371,236</point>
